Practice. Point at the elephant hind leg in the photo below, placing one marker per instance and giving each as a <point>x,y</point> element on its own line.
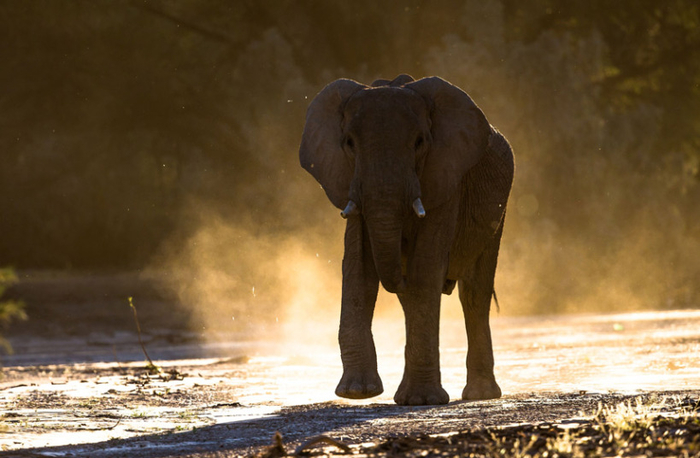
<point>475,295</point>
<point>481,382</point>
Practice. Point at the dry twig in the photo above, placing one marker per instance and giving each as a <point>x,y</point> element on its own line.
<point>321,440</point>
<point>151,366</point>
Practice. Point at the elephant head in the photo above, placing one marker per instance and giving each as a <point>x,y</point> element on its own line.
<point>389,151</point>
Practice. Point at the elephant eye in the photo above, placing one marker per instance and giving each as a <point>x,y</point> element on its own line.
<point>419,142</point>
<point>349,142</point>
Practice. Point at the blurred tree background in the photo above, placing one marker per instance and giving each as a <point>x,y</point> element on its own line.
<point>121,121</point>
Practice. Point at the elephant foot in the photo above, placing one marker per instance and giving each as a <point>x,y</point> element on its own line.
<point>359,384</point>
<point>420,394</point>
<point>481,388</point>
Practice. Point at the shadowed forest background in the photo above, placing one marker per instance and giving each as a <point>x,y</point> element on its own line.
<point>162,137</point>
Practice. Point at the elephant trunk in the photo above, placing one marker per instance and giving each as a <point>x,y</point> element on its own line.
<point>386,203</point>
<point>385,239</point>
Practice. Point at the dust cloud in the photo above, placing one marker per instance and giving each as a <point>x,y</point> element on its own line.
<point>240,280</point>
<point>549,268</point>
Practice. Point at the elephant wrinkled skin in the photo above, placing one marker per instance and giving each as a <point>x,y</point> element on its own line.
<point>423,180</point>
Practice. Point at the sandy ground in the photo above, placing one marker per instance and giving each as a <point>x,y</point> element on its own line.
<point>91,394</point>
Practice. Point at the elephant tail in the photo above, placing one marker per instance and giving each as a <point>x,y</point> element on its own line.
<point>495,299</point>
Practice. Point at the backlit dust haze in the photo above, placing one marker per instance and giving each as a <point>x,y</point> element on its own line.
<point>165,139</point>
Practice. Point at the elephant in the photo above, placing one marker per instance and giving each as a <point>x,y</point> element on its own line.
<point>422,179</point>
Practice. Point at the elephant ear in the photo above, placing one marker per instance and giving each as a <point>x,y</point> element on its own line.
<point>460,134</point>
<point>321,153</point>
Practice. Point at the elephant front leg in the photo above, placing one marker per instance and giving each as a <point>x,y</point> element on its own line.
<point>421,384</point>
<point>360,378</point>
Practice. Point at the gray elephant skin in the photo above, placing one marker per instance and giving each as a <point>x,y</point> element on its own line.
<point>423,180</point>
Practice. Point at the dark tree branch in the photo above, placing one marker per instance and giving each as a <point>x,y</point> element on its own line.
<point>211,34</point>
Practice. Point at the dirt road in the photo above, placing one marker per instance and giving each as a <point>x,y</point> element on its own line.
<point>91,395</point>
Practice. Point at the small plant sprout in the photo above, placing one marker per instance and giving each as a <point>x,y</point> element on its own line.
<point>9,309</point>
<point>152,368</point>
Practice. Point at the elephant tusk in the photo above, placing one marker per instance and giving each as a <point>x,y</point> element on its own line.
<point>350,210</point>
<point>418,208</point>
